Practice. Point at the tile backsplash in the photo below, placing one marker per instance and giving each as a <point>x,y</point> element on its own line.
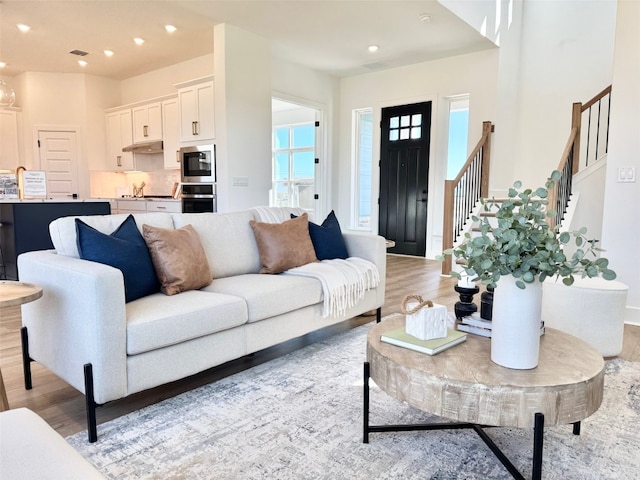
<point>115,185</point>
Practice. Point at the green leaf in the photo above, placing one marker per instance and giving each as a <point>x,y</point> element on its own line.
<point>564,237</point>
<point>609,275</point>
<point>556,175</point>
<point>520,284</point>
<point>568,281</point>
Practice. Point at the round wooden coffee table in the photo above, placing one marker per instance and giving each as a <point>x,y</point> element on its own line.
<point>12,294</point>
<point>463,384</point>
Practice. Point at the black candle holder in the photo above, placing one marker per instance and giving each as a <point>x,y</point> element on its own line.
<point>486,304</point>
<point>465,306</point>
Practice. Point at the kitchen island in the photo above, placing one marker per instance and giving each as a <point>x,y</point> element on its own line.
<point>25,225</point>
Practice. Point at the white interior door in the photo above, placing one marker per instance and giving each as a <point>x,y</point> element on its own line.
<point>59,160</point>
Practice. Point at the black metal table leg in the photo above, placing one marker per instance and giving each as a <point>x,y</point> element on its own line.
<point>576,428</point>
<point>365,430</point>
<point>538,438</point>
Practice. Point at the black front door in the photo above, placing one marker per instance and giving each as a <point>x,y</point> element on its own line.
<point>404,175</point>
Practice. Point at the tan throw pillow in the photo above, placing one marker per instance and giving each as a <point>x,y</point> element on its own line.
<point>284,245</point>
<point>178,258</point>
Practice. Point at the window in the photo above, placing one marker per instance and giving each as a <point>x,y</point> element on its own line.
<point>458,135</point>
<point>293,168</point>
<point>363,163</point>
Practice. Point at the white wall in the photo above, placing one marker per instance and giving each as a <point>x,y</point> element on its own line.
<point>474,74</point>
<point>243,117</point>
<point>67,100</point>
<point>566,55</point>
<point>161,82</point>
<point>621,223</point>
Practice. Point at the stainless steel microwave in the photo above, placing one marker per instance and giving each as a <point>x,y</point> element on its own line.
<point>198,164</point>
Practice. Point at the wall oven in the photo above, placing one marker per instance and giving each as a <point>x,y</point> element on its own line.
<point>198,164</point>
<point>198,197</point>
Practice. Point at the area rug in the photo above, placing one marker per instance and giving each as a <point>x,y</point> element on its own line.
<point>300,417</point>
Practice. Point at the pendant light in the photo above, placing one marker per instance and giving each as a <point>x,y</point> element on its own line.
<point>7,95</point>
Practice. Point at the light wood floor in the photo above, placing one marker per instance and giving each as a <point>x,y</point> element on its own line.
<point>63,407</point>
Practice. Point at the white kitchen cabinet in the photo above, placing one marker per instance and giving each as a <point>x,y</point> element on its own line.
<point>171,133</point>
<point>147,123</point>
<point>10,123</point>
<point>134,205</point>
<point>164,206</point>
<point>196,102</point>
<point>119,135</point>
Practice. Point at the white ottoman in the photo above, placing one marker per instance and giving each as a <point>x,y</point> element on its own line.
<point>31,450</point>
<point>591,309</point>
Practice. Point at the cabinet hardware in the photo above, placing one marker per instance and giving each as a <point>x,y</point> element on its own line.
<point>119,160</point>
<point>145,130</point>
<point>194,128</point>
<point>178,156</point>
<point>161,208</point>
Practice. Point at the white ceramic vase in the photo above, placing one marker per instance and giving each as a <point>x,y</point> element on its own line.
<point>515,330</point>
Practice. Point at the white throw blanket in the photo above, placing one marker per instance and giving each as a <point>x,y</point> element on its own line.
<point>276,214</point>
<point>344,282</point>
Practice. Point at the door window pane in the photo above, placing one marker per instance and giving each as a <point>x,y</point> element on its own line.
<point>304,136</point>
<point>303,165</point>
<point>405,121</point>
<point>294,166</point>
<point>281,166</point>
<point>281,138</point>
<point>415,132</point>
<point>416,119</point>
<point>404,134</point>
<point>393,135</point>
<point>394,122</point>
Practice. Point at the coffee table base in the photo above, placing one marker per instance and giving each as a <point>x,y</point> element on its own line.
<point>538,433</point>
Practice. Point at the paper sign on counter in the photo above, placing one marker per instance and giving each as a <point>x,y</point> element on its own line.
<point>34,183</point>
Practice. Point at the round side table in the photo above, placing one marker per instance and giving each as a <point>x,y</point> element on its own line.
<point>12,294</point>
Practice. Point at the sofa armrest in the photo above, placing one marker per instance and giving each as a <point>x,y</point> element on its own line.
<point>80,318</point>
<point>373,248</point>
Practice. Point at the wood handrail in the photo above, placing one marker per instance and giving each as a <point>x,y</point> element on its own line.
<point>472,183</point>
<point>570,163</point>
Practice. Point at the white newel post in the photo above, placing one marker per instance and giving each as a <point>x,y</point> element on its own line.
<point>515,331</point>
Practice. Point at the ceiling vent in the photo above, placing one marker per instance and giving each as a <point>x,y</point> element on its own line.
<point>374,66</point>
<point>79,53</point>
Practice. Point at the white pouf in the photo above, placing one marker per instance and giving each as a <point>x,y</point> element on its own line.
<point>591,309</point>
<point>32,450</point>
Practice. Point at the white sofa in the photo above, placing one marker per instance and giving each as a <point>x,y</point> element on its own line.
<point>83,331</point>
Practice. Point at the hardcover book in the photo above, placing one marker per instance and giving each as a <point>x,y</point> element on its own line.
<point>401,338</point>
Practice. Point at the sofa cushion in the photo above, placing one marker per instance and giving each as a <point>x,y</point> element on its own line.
<point>227,240</point>
<point>124,249</point>
<point>270,295</point>
<point>63,230</point>
<point>284,245</point>
<point>178,258</point>
<point>327,238</point>
<point>158,321</point>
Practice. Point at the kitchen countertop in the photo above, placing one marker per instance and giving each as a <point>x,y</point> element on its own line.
<point>52,200</point>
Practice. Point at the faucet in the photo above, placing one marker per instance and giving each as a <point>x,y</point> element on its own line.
<point>19,171</point>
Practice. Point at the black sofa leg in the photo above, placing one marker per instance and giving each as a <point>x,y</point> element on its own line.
<point>379,315</point>
<point>92,429</point>
<point>26,358</point>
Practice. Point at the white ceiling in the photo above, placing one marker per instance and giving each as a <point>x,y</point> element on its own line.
<point>330,36</point>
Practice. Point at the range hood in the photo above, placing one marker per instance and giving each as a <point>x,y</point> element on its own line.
<point>151,147</point>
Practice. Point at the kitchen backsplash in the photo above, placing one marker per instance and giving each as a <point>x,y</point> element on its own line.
<point>115,185</point>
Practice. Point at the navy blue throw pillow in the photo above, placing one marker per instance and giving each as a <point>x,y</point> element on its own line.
<point>126,250</point>
<point>327,238</point>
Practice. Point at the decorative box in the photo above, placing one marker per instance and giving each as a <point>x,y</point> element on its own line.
<point>424,319</point>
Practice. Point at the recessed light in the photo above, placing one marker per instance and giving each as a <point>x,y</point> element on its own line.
<point>2,64</point>
<point>23,28</point>
<point>82,63</point>
<point>425,17</point>
<point>170,28</point>
<point>138,41</point>
<point>373,48</point>
<point>108,53</point>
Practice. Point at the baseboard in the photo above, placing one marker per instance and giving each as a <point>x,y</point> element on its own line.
<point>632,315</point>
